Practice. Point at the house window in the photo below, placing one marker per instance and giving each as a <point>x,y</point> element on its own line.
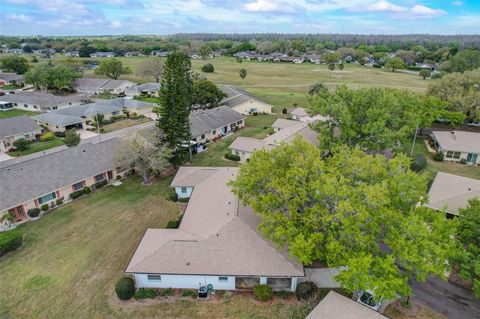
<point>214,132</point>
<point>453,155</point>
<point>99,177</point>
<point>240,122</point>
<point>25,105</point>
<point>154,277</point>
<point>184,190</point>
<point>456,155</point>
<point>35,107</point>
<point>222,278</point>
<point>449,154</point>
<point>47,198</point>
<point>203,136</point>
<point>78,186</point>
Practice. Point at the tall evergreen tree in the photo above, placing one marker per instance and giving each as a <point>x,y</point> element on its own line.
<point>175,103</point>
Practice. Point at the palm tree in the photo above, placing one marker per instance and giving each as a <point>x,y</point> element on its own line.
<point>316,88</point>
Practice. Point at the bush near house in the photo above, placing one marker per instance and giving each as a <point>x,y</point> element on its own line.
<point>232,157</point>
<point>59,201</point>
<point>438,157</point>
<point>143,293</point>
<point>305,290</point>
<point>86,190</point>
<point>47,136</point>
<point>189,293</point>
<point>10,240</point>
<point>166,292</point>
<point>60,134</point>
<point>173,224</point>
<point>76,194</point>
<point>21,144</point>
<point>33,212</point>
<point>184,199</point>
<point>125,288</point>
<point>44,207</point>
<point>100,184</point>
<point>173,196</point>
<point>418,163</point>
<point>263,292</point>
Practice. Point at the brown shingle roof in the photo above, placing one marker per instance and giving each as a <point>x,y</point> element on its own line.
<point>459,141</point>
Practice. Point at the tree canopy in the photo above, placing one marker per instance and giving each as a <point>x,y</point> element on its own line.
<point>112,68</point>
<point>395,64</point>
<point>153,66</point>
<point>465,60</point>
<point>48,76</point>
<point>373,118</point>
<point>15,64</point>
<point>351,209</point>
<point>206,94</point>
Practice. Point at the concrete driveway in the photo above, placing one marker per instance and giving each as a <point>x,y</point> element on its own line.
<point>4,157</point>
<point>84,134</point>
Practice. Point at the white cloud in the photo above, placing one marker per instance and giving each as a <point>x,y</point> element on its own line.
<point>115,24</point>
<point>457,3</point>
<point>385,6</point>
<point>19,17</point>
<point>269,6</point>
<point>421,10</point>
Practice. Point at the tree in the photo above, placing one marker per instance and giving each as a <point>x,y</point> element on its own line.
<point>144,152</point>
<point>330,57</point>
<point>21,144</point>
<point>175,103</point>
<point>265,47</point>
<point>208,68</point>
<point>243,73</point>
<point>299,45</point>
<point>465,60</point>
<point>340,66</point>
<point>152,66</point>
<point>395,64</point>
<point>86,50</point>
<point>461,91</point>
<point>374,118</point>
<point>72,138</point>
<point>331,66</point>
<point>112,68</point>
<point>317,88</point>
<point>350,209</point>
<point>205,51</point>
<point>362,61</point>
<point>467,256</point>
<point>425,73</point>
<point>48,76</point>
<point>15,64</point>
<point>206,94</point>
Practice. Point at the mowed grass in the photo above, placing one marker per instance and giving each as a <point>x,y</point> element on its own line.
<point>38,147</point>
<point>15,113</point>
<point>123,124</point>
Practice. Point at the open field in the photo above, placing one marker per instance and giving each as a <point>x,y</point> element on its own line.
<point>14,113</point>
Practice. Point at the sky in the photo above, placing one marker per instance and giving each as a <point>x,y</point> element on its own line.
<point>163,17</point>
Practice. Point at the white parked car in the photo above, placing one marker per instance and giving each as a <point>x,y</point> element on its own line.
<point>367,298</point>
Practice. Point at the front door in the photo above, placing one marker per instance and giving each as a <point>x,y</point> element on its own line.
<point>472,158</point>
<point>18,213</point>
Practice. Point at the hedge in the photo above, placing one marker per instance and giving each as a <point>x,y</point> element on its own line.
<point>86,190</point>
<point>100,184</point>
<point>189,293</point>
<point>125,288</point>
<point>60,134</point>
<point>59,201</point>
<point>76,194</point>
<point>232,157</point>
<point>263,292</point>
<point>45,207</point>
<point>438,157</point>
<point>143,293</point>
<point>173,224</point>
<point>173,196</point>
<point>33,212</point>
<point>305,290</point>
<point>10,240</point>
<point>184,199</point>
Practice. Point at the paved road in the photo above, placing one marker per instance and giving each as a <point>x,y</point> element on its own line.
<point>450,300</point>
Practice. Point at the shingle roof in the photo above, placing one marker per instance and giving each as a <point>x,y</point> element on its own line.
<point>145,87</point>
<point>217,236</point>
<point>299,111</point>
<point>58,119</point>
<point>451,192</point>
<point>248,144</point>
<point>336,306</point>
<point>8,77</point>
<point>34,178</point>
<point>89,84</point>
<point>236,96</point>
<point>42,99</point>
<point>283,123</point>
<point>17,125</point>
<point>113,84</point>
<point>459,141</point>
<point>203,121</point>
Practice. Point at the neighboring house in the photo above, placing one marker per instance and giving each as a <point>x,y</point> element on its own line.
<point>11,78</point>
<point>98,86</point>
<point>133,53</point>
<point>210,124</point>
<point>245,55</point>
<point>313,58</point>
<point>458,145</point>
<point>73,54</point>
<point>243,102</point>
<point>78,117</point>
<point>37,101</point>
<point>43,180</point>
<point>285,133</point>
<point>336,306</point>
<point>451,192</point>
<point>294,59</point>
<point>217,242</point>
<point>300,114</point>
<point>102,55</point>
<point>162,54</point>
<point>151,89</point>
<point>14,128</point>
<point>13,51</point>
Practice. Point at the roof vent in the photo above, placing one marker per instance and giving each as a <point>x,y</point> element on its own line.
<point>469,189</point>
<point>188,263</point>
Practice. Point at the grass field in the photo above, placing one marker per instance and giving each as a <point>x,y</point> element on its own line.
<point>123,124</point>
<point>39,147</point>
<point>14,113</point>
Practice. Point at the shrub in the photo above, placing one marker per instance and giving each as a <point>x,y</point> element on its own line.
<point>208,68</point>
<point>143,293</point>
<point>59,201</point>
<point>100,184</point>
<point>376,65</point>
<point>86,190</point>
<point>232,157</point>
<point>418,163</point>
<point>76,194</point>
<point>102,130</point>
<point>44,207</point>
<point>48,136</point>
<point>33,212</point>
<point>305,290</point>
<point>173,196</point>
<point>173,224</point>
<point>438,157</point>
<point>125,288</point>
<point>463,161</point>
<point>21,144</point>
<point>263,292</point>
<point>60,134</point>
<point>167,292</point>
<point>72,138</point>
<point>189,293</point>
<point>118,177</point>
<point>184,200</point>
<point>10,240</point>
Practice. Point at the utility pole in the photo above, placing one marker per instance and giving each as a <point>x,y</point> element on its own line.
<point>98,128</point>
<point>414,139</point>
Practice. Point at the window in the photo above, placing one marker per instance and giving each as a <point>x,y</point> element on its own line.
<point>99,177</point>
<point>184,190</point>
<point>35,107</point>
<point>154,277</point>
<point>222,278</point>
<point>449,154</point>
<point>25,105</point>
<point>214,132</point>
<point>203,136</point>
<point>47,198</point>
<point>78,186</point>
<point>456,155</point>
<point>240,122</point>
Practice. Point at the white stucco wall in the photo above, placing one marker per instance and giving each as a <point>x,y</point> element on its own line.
<point>245,108</point>
<point>184,282</point>
<point>178,190</point>
<point>243,155</point>
<point>463,155</point>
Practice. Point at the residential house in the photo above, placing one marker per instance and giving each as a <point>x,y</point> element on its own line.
<point>458,146</point>
<point>313,58</point>
<point>11,78</point>
<point>73,54</point>
<point>429,66</point>
<point>294,59</point>
<point>336,306</point>
<point>14,128</point>
<point>149,89</point>
<point>245,55</point>
<point>285,132</point>
<point>162,54</point>
<point>210,124</point>
<point>300,114</point>
<point>102,55</point>
<point>450,192</point>
<point>243,102</point>
<point>217,242</point>
<point>133,53</point>
<point>13,51</point>
<point>194,56</point>
<point>37,101</point>
<point>98,86</point>
<point>43,180</point>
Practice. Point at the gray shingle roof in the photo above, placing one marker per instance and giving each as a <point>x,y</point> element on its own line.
<point>8,77</point>
<point>459,141</point>
<point>34,178</point>
<point>203,121</point>
<point>236,96</point>
<point>42,99</point>
<point>89,84</point>
<point>145,87</point>
<point>17,125</point>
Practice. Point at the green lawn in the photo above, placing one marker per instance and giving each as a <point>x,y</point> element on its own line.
<point>123,124</point>
<point>38,147</point>
<point>15,113</point>
<point>72,257</point>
